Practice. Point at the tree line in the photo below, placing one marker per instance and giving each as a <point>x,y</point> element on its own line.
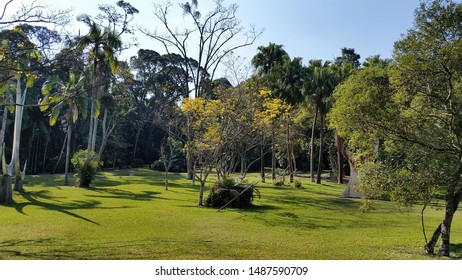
<point>393,124</point>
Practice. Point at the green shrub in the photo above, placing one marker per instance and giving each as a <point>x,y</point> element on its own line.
<point>231,194</point>
<point>298,183</point>
<point>86,168</point>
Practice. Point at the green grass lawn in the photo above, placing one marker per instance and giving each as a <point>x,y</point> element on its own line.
<point>134,217</point>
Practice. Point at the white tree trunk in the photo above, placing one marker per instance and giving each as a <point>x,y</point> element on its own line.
<point>94,134</point>
<point>14,166</point>
<point>353,181</point>
<point>107,130</point>
<point>90,129</point>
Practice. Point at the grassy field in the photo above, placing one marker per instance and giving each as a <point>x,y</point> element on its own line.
<point>134,217</point>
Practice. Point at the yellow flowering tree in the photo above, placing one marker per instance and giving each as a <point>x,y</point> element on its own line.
<point>203,137</point>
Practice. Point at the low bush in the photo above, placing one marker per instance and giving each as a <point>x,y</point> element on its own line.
<point>87,169</point>
<point>232,194</point>
<point>298,183</point>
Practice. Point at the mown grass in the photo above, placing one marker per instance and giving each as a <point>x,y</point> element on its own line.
<point>134,217</point>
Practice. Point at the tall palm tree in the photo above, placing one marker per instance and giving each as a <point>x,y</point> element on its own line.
<point>101,45</point>
<point>267,57</point>
<point>264,62</point>
<point>318,89</point>
<point>287,80</point>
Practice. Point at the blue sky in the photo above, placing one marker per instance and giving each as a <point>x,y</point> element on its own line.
<point>320,28</point>
<point>307,28</point>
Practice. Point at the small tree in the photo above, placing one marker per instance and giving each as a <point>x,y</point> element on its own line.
<point>204,141</point>
<point>86,169</point>
<point>170,150</point>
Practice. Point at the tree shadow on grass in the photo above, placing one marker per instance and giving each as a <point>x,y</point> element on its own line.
<point>36,198</point>
<point>12,248</point>
<point>456,251</point>
<point>259,208</point>
<point>124,194</point>
<point>155,181</point>
<point>41,249</point>
<point>327,203</point>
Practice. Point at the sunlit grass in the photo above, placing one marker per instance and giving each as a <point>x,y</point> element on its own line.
<point>134,217</point>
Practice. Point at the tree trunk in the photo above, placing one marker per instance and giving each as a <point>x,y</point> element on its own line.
<point>313,129</point>
<point>201,193</point>
<point>137,137</point>
<point>289,156</point>
<point>90,129</point>
<point>262,158</point>
<point>273,153</point>
<point>3,129</point>
<point>189,166</point>
<point>46,150</point>
<point>353,181</point>
<point>94,134</point>
<point>294,161</point>
<point>68,154</point>
<point>6,193</point>
<point>61,153</point>
<point>166,179</point>
<point>94,97</point>
<point>444,229</point>
<point>20,175</point>
<point>430,246</point>
<point>340,172</point>
<point>243,165</point>
<point>321,146</point>
<point>14,166</point>
<point>106,131</point>
<point>453,198</point>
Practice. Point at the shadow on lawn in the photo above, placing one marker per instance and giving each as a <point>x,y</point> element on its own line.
<point>12,248</point>
<point>37,198</point>
<point>326,203</point>
<point>456,251</point>
<point>124,194</point>
<point>259,208</point>
<point>176,181</point>
<point>40,249</point>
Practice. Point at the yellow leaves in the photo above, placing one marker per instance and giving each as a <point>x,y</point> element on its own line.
<point>17,29</point>
<point>212,135</point>
<point>30,79</point>
<point>272,109</point>
<point>202,108</point>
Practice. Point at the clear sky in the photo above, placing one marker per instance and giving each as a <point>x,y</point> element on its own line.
<point>306,28</point>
